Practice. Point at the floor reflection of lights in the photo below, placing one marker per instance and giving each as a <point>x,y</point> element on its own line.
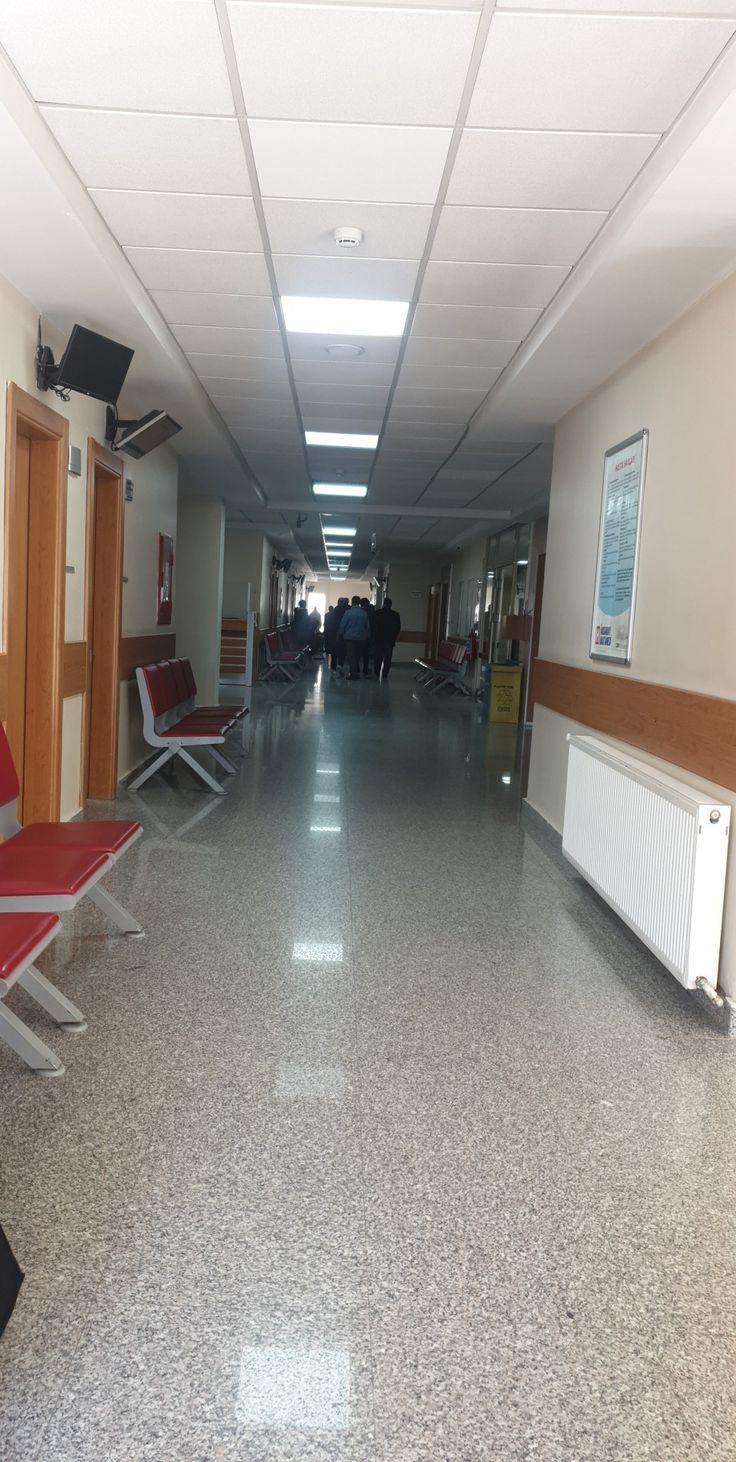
<point>294,1386</point>
<point>318,953</point>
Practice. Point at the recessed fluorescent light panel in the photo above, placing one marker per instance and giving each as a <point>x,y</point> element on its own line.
<point>321,315</point>
<point>363,441</point>
<point>339,489</point>
<point>338,532</point>
<point>338,552</point>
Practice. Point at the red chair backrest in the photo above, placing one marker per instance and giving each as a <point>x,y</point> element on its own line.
<point>180,680</point>
<point>189,677</point>
<point>272,642</point>
<point>9,787</point>
<point>158,688</point>
<point>169,681</point>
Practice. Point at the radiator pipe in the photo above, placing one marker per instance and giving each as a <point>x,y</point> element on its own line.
<point>710,991</point>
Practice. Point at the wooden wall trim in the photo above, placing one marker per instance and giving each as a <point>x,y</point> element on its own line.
<point>413,636</point>
<point>76,668</point>
<point>138,650</point>
<point>696,732</point>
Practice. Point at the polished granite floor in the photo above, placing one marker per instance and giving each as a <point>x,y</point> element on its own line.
<point>387,1144</point>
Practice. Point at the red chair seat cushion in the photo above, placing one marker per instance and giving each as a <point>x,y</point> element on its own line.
<point>103,837</point>
<point>20,934</point>
<point>191,728</point>
<point>32,872</point>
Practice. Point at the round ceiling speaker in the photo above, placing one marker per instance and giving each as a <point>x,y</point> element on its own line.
<point>348,238</point>
<point>344,351</point>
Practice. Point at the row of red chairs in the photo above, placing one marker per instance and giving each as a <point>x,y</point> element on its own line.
<point>283,657</point>
<point>173,722</point>
<point>447,669</point>
<point>45,869</point>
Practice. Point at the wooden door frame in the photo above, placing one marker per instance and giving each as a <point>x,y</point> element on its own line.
<point>107,664</point>
<point>26,416</point>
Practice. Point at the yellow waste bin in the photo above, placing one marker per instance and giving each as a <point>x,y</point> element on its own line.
<point>505,693</point>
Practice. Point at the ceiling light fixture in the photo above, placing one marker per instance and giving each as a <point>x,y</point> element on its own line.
<point>339,532</point>
<point>324,315</point>
<point>521,563</point>
<point>364,441</point>
<point>339,489</point>
<point>339,552</point>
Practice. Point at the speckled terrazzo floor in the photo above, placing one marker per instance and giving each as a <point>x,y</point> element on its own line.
<point>387,1142</point>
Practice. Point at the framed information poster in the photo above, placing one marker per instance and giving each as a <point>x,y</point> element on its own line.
<point>624,467</point>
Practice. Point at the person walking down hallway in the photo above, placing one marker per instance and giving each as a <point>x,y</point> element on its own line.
<point>386,630</point>
<point>300,626</point>
<point>355,631</point>
<point>335,648</point>
<point>365,654</point>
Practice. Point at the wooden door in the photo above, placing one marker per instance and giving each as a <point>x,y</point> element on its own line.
<point>104,618</point>
<point>536,624</point>
<point>35,537</point>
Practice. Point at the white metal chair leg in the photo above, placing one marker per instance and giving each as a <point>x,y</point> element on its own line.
<point>28,1046</point>
<point>200,770</point>
<point>154,766</point>
<point>114,911</point>
<point>54,1003</point>
<point>222,760</point>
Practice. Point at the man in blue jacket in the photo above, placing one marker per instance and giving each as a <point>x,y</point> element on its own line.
<point>355,630</point>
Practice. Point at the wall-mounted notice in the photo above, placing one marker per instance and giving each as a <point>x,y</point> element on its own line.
<point>624,467</point>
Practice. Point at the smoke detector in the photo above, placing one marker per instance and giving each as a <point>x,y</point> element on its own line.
<point>348,238</point>
<point>344,351</point>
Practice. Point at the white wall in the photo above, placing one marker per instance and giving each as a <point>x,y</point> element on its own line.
<point>680,388</point>
<point>153,509</point>
<point>467,567</point>
<point>408,590</point>
<point>201,541</point>
<point>243,565</point>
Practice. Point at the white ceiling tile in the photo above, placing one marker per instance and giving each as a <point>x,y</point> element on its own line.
<point>529,285</point>
<point>250,389</point>
<point>427,428</point>
<point>343,373</point>
<point>336,411</point>
<point>375,164</point>
<point>146,151</point>
<point>238,368</point>
<point>315,422</point>
<point>418,411</point>
<point>624,7</point>
<point>398,66</point>
<point>515,235</point>
<point>475,322</point>
<point>243,413</point>
<point>454,377</point>
<point>347,395</point>
<point>545,169</point>
<point>346,278</point>
<point>314,347</point>
<point>164,57</point>
<point>218,340</point>
<point>246,311</point>
<point>428,396</point>
<point>428,350</point>
<point>180,220</point>
<point>390,230</point>
<point>559,71</point>
<point>199,269</point>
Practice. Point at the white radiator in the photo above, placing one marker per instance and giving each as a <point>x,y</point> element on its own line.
<point>654,849</point>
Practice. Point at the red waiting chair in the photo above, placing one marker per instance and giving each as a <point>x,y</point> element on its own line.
<point>23,937</point>
<point>47,867</point>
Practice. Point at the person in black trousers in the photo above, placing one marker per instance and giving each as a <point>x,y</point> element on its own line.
<point>386,630</point>
<point>365,655</point>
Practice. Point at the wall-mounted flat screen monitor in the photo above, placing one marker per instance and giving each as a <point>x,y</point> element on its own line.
<point>93,365</point>
<point>138,438</point>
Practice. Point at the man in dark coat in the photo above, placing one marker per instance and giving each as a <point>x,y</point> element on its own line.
<point>386,629</point>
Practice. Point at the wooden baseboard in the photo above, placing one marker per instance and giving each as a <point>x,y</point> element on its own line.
<point>696,732</point>
<point>138,650</point>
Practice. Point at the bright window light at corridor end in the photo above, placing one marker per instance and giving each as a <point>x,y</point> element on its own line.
<point>360,440</point>
<point>322,315</point>
<point>339,489</point>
